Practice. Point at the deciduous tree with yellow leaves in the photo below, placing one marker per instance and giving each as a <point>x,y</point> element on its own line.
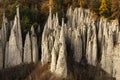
<point>51,3</point>
<point>104,9</point>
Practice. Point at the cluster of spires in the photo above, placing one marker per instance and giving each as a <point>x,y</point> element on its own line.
<point>12,51</point>
<point>83,40</point>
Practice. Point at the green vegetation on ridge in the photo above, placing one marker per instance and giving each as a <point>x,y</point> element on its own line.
<point>35,12</point>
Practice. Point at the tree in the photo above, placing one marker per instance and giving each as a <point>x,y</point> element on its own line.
<point>51,3</point>
<point>104,9</point>
<point>115,9</point>
<point>84,3</point>
<point>34,13</point>
<point>94,5</point>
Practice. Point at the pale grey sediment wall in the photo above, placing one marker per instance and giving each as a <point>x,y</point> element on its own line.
<point>95,39</point>
<point>12,52</point>
<point>81,38</point>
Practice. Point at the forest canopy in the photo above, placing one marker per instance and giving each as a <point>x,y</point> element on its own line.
<point>32,10</point>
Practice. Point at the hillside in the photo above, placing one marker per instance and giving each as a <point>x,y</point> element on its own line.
<point>60,40</point>
<point>19,72</point>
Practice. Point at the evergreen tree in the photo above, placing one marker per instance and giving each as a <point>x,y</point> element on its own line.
<point>59,8</point>
<point>94,5</point>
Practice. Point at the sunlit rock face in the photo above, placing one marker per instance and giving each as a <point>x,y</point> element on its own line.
<point>47,40</point>
<point>116,59</point>
<point>86,40</point>
<point>27,49</point>
<point>34,45</point>
<point>61,67</point>
<point>54,46</point>
<point>4,33</point>
<point>4,36</point>
<point>110,44</point>
<point>82,40</point>
<point>55,52</point>
<point>12,51</point>
<point>91,49</point>
<point>14,55</point>
<point>31,47</point>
